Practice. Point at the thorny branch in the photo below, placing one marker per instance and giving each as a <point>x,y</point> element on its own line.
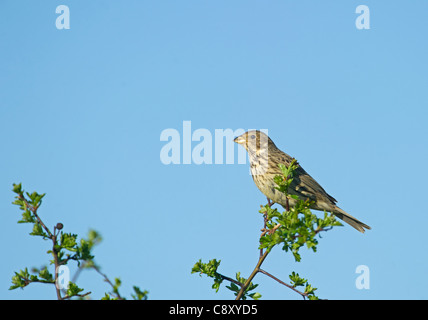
<point>303,294</point>
<point>52,236</point>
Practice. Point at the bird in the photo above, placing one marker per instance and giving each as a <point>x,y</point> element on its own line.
<point>264,160</point>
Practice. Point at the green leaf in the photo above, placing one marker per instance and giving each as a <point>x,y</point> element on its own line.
<point>139,295</point>
<point>20,279</point>
<point>73,289</point>
<point>296,280</point>
<point>255,295</point>
<point>68,241</point>
<point>84,250</point>
<point>27,217</point>
<point>106,297</point>
<point>46,275</point>
<point>117,284</point>
<point>233,287</point>
<point>17,188</point>
<point>210,268</point>
<point>38,231</point>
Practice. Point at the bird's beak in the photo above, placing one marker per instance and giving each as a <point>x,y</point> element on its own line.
<point>239,140</point>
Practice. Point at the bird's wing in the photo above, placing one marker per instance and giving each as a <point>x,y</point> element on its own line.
<point>303,185</point>
<point>307,187</point>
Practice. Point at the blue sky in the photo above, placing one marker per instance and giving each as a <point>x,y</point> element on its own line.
<point>82,111</point>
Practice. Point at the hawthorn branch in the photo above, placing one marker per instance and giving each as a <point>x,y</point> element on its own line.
<point>52,236</point>
<point>303,294</point>
<point>253,274</point>
<point>263,255</point>
<point>28,281</point>
<point>106,279</point>
<point>56,262</point>
<point>231,280</point>
<point>34,212</point>
<point>77,295</point>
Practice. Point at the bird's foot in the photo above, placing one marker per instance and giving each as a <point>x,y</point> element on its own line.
<point>270,202</point>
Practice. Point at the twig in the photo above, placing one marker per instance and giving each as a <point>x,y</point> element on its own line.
<point>78,295</point>
<point>303,294</point>
<point>106,279</point>
<point>265,219</point>
<point>316,231</point>
<point>270,231</point>
<point>263,255</point>
<point>92,265</point>
<point>230,279</point>
<point>253,274</point>
<point>56,262</point>
<point>28,281</point>
<point>52,236</point>
<point>34,211</point>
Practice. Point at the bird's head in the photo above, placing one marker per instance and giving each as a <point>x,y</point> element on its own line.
<point>254,141</point>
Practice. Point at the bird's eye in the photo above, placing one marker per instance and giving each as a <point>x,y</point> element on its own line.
<point>253,136</point>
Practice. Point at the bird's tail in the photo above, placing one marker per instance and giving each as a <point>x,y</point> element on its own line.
<point>354,222</point>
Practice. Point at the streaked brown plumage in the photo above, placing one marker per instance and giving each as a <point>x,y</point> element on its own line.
<point>264,159</point>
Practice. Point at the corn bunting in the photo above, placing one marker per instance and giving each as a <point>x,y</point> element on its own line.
<point>264,159</point>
